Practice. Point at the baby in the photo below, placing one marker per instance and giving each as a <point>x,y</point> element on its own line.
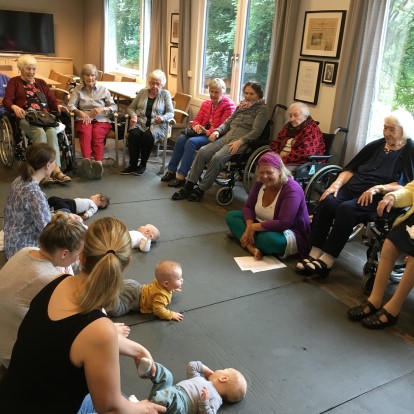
<point>84,207</point>
<point>143,236</point>
<point>152,298</point>
<point>203,392</point>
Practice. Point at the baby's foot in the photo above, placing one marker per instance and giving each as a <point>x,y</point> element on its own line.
<point>144,368</point>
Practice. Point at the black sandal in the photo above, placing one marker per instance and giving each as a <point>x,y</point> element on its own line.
<point>357,312</point>
<point>303,270</point>
<point>320,267</point>
<point>374,321</point>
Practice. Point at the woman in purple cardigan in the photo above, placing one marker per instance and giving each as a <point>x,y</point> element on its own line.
<point>213,112</point>
<point>274,219</point>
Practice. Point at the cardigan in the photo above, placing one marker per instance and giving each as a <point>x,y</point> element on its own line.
<point>290,213</point>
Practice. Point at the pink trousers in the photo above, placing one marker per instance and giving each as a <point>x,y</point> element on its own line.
<point>92,138</point>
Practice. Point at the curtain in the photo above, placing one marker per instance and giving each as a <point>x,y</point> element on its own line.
<point>158,47</point>
<point>353,106</point>
<point>184,46</point>
<point>280,65</point>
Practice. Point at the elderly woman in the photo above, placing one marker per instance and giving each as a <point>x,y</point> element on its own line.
<point>25,92</point>
<point>93,106</point>
<point>382,166</point>
<point>87,354</point>
<point>26,211</point>
<point>399,241</point>
<point>274,219</point>
<point>245,125</point>
<point>213,112</point>
<point>149,112</point>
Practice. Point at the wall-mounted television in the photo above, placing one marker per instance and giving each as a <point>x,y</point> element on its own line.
<point>26,32</point>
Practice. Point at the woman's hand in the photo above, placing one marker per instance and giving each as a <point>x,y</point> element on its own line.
<point>95,111</point>
<point>197,129</point>
<point>133,120</point>
<point>158,120</point>
<point>19,112</point>
<point>234,146</point>
<point>248,236</point>
<point>213,136</point>
<point>385,204</point>
<point>85,117</point>
<point>62,108</point>
<point>367,196</point>
<point>147,407</point>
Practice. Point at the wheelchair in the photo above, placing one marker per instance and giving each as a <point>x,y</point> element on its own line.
<point>13,144</point>
<point>374,239</point>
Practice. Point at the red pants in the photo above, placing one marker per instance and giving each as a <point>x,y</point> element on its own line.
<point>92,137</point>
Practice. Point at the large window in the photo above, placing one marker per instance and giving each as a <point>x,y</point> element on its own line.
<point>236,43</point>
<point>395,86</point>
<point>124,47</point>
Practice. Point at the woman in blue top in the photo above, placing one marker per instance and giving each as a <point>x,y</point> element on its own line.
<point>149,112</point>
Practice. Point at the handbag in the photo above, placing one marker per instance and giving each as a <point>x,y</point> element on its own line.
<point>41,119</point>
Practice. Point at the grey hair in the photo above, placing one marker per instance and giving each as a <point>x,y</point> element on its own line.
<point>218,83</point>
<point>284,172</point>
<point>88,69</point>
<point>25,60</point>
<point>302,107</point>
<point>403,119</point>
<point>157,74</point>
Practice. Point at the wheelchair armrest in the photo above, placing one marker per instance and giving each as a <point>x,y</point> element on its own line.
<point>319,157</point>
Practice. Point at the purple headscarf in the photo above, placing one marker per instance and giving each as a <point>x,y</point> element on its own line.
<point>270,159</point>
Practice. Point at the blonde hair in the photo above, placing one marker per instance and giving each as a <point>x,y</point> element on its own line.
<point>235,388</point>
<point>217,83</point>
<point>157,74</point>
<point>88,69</point>
<point>106,254</point>
<point>25,60</point>
<point>62,232</point>
<point>166,270</point>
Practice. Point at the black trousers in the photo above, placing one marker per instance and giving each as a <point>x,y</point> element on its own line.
<point>140,145</point>
<point>58,203</point>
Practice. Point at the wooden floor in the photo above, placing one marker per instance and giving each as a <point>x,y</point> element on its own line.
<point>289,336</point>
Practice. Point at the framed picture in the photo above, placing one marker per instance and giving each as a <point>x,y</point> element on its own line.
<point>322,33</point>
<point>308,80</point>
<point>173,60</point>
<point>329,72</point>
<point>174,28</point>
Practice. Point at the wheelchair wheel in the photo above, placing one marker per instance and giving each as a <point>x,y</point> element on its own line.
<point>7,144</point>
<point>249,173</point>
<point>67,153</point>
<point>319,182</point>
<point>224,196</point>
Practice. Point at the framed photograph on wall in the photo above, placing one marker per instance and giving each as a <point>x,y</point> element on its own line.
<point>308,80</point>
<point>322,33</point>
<point>174,28</point>
<point>173,60</point>
<point>329,72</point>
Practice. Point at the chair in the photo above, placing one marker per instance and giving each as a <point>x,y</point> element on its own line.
<point>128,79</point>
<point>182,103</point>
<point>61,95</point>
<point>99,75</point>
<point>54,75</point>
<point>108,77</point>
<point>65,82</point>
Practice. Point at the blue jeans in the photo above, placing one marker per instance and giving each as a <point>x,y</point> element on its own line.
<point>87,406</point>
<point>185,150</point>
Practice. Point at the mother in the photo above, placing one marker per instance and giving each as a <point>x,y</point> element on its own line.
<point>26,92</point>
<point>78,342</point>
<point>382,166</point>
<point>274,219</point>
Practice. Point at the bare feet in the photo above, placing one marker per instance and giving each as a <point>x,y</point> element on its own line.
<point>254,251</point>
<point>122,329</point>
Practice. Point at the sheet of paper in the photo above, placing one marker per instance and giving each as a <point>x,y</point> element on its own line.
<point>250,263</point>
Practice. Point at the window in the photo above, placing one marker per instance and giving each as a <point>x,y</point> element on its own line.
<point>236,43</point>
<point>124,46</point>
<point>395,85</point>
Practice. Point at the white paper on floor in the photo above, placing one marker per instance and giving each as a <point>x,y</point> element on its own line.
<point>250,263</point>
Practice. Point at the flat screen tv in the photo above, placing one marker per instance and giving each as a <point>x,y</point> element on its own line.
<point>26,32</point>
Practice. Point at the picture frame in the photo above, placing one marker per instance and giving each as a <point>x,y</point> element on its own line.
<point>329,72</point>
<point>173,60</point>
<point>308,81</point>
<point>174,38</point>
<point>322,33</point>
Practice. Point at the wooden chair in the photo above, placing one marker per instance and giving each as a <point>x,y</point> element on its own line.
<point>182,103</point>
<point>99,75</point>
<point>65,82</point>
<point>128,79</point>
<point>108,77</point>
<point>54,75</point>
<point>61,95</point>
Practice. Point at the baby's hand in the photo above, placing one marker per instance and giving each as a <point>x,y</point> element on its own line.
<point>207,372</point>
<point>85,216</point>
<point>177,316</point>
<point>204,394</point>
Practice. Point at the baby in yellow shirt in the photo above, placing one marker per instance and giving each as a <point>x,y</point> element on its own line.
<point>155,297</point>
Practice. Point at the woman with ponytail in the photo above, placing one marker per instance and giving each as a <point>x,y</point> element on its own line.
<point>26,211</point>
<point>78,342</point>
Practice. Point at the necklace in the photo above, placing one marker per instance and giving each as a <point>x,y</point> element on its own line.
<point>388,150</point>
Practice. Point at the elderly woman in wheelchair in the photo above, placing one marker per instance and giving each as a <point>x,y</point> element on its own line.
<point>380,167</point>
<point>245,125</point>
<point>400,240</point>
<point>25,92</point>
<point>274,219</point>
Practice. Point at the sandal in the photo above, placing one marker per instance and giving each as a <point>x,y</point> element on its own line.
<point>60,177</point>
<point>374,321</point>
<point>319,267</point>
<point>196,195</point>
<point>357,313</point>
<point>301,268</point>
